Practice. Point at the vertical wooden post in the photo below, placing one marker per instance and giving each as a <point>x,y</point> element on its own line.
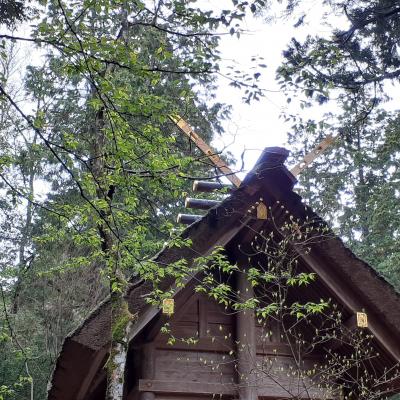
<point>148,368</point>
<point>246,343</point>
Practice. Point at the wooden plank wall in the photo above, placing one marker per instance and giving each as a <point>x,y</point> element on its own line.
<point>186,371</point>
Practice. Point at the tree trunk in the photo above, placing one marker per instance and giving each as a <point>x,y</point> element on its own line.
<point>23,263</point>
<point>362,194</point>
<point>121,320</point>
<point>120,316</point>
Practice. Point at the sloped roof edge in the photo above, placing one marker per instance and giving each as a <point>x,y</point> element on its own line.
<point>219,226</point>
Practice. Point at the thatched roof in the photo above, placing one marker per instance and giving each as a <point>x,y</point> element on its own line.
<point>355,284</point>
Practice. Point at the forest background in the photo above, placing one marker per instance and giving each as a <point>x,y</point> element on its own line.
<point>93,172</point>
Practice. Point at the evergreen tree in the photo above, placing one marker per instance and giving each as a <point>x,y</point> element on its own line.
<point>107,165</point>
<point>355,184</point>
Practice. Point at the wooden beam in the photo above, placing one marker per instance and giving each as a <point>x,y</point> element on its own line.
<point>206,149</point>
<point>201,204</point>
<point>99,380</point>
<point>189,388</point>
<point>148,360</point>
<point>203,318</point>
<point>312,155</point>
<point>211,186</point>
<point>246,342</point>
<point>148,368</point>
<point>267,389</point>
<point>97,362</point>
<point>222,166</point>
<point>187,219</point>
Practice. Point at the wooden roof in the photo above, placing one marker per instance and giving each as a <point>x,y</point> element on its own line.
<point>356,285</point>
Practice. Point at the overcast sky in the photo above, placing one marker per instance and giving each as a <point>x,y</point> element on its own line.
<point>256,126</point>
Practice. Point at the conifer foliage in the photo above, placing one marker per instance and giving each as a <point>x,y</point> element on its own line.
<point>351,72</point>
<point>92,169</point>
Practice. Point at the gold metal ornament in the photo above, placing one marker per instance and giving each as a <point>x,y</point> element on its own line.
<point>362,320</point>
<point>168,306</point>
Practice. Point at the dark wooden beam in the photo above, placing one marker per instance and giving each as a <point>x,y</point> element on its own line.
<point>201,204</point>
<point>246,342</point>
<point>268,389</point>
<point>207,344</point>
<point>97,363</point>
<point>189,388</point>
<point>203,318</point>
<point>99,381</point>
<point>187,219</point>
<point>148,369</point>
<point>211,186</point>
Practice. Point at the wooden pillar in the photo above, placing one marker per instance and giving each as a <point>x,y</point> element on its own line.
<point>148,368</point>
<point>246,343</point>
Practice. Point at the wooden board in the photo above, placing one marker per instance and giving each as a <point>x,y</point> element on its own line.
<point>206,149</point>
